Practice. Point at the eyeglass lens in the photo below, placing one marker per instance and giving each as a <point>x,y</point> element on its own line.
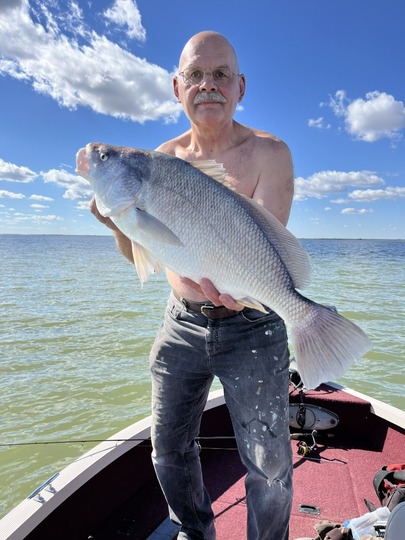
<point>221,76</point>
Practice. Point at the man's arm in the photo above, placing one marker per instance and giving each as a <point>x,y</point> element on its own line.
<point>123,243</point>
<point>275,187</point>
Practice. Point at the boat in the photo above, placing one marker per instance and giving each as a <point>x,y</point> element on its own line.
<point>339,437</point>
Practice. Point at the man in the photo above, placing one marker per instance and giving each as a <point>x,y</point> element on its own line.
<point>246,349</point>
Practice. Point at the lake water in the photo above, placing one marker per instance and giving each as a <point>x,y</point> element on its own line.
<point>76,328</point>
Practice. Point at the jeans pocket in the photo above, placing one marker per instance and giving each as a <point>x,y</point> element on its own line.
<point>175,310</point>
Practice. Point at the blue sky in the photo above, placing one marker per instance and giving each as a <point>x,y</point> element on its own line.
<point>326,77</point>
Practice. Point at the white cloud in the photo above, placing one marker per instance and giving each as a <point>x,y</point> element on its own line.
<point>10,195</point>
<point>38,206</point>
<point>41,198</point>
<point>83,205</point>
<point>376,117</point>
<point>125,13</point>
<point>324,183</point>
<point>356,211</point>
<point>61,58</point>
<point>318,123</point>
<point>35,218</point>
<point>338,103</point>
<point>378,194</point>
<point>10,4</point>
<point>338,201</point>
<point>14,173</point>
<point>76,187</point>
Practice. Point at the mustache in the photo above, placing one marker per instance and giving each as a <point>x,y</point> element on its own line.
<point>205,97</point>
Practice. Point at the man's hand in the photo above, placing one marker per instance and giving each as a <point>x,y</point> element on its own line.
<point>206,287</point>
<point>124,244</point>
<point>105,220</point>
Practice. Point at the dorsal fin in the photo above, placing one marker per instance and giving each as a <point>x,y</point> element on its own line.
<point>212,168</point>
<point>293,255</point>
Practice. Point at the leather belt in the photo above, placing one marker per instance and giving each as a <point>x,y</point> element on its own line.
<point>207,308</point>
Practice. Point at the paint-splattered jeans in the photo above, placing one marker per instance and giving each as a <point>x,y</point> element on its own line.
<point>249,354</point>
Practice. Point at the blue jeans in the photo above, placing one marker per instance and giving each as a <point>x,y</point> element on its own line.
<point>249,354</point>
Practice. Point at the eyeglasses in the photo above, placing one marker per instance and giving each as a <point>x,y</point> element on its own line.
<point>221,76</point>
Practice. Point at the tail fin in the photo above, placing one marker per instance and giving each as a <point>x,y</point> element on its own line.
<point>325,345</point>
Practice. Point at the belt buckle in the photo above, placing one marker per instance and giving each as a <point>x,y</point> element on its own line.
<point>206,307</point>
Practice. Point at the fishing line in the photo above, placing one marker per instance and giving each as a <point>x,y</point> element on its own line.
<point>88,441</point>
<point>237,501</point>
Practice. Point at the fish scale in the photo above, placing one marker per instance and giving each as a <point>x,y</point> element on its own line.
<point>177,216</point>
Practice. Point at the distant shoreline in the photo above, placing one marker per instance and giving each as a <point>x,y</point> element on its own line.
<point>110,236</point>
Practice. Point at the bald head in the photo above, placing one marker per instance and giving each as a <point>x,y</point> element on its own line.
<point>211,44</point>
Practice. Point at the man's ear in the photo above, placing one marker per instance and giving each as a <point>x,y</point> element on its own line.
<point>242,87</point>
<point>176,88</point>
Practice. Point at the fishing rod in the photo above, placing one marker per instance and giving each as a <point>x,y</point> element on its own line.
<point>88,441</point>
<point>301,456</point>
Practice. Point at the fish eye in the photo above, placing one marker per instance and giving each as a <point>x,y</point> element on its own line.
<point>103,156</point>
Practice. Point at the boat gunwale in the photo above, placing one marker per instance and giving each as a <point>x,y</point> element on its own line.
<point>387,412</point>
<point>23,518</point>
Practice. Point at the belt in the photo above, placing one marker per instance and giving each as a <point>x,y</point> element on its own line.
<point>207,308</point>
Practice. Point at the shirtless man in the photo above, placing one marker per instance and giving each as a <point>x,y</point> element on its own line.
<point>188,353</point>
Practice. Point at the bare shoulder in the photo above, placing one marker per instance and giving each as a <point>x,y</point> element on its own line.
<point>267,144</point>
<point>175,146</point>
<point>266,151</point>
<point>275,186</point>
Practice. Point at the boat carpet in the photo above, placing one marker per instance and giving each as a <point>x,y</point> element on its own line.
<point>336,482</point>
<point>335,478</point>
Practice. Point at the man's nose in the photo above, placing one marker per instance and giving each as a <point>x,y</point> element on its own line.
<point>208,82</point>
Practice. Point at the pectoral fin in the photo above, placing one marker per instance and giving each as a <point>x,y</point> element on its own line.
<point>155,228</point>
<point>145,263</point>
<point>250,303</point>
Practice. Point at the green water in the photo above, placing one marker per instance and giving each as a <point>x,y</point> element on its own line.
<point>76,328</point>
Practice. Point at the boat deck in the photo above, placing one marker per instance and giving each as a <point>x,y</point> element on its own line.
<point>336,478</point>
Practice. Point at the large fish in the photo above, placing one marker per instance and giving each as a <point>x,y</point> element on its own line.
<point>179,217</point>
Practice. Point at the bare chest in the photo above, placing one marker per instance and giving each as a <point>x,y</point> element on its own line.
<point>242,172</point>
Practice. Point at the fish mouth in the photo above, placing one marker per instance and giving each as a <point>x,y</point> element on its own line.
<point>209,97</point>
<point>82,163</point>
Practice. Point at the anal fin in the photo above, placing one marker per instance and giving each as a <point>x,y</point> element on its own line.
<point>251,303</point>
<point>145,263</point>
